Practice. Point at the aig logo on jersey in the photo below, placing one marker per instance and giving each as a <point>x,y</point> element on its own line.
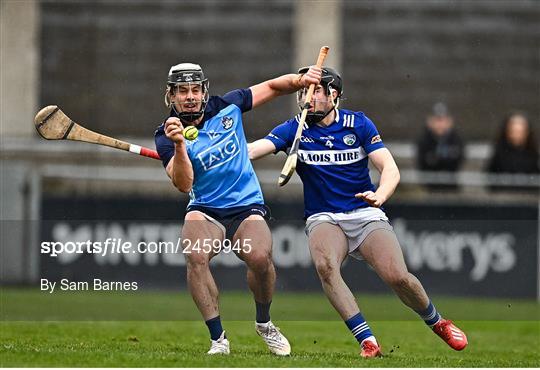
<point>349,139</point>
<point>227,122</point>
<point>220,153</point>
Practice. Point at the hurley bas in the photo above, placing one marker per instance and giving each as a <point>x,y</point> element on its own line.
<point>96,284</point>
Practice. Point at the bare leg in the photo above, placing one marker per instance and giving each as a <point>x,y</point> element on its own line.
<point>381,250</point>
<point>261,274</point>
<point>328,247</point>
<point>201,284</point>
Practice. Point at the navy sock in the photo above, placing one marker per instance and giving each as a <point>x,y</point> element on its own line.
<point>359,327</point>
<point>429,315</point>
<point>263,312</point>
<point>215,328</point>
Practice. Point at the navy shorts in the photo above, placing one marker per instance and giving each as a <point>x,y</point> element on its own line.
<point>229,219</point>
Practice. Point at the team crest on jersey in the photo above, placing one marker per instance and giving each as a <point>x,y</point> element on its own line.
<point>227,122</point>
<point>349,139</point>
<point>376,139</point>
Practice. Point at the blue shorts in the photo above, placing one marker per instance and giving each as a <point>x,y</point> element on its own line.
<point>229,219</point>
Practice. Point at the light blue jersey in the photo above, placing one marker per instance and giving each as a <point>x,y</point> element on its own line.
<point>223,174</point>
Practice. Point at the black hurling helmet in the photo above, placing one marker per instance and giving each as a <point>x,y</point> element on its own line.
<point>330,80</point>
<point>185,74</point>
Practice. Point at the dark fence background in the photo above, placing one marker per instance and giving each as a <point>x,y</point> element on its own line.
<point>106,62</point>
<point>481,57</point>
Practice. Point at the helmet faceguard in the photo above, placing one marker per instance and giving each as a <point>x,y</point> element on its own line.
<point>330,81</point>
<point>186,74</point>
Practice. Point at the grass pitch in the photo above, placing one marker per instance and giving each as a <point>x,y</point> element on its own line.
<point>508,337</point>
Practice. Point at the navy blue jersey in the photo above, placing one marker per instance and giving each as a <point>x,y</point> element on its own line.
<point>332,160</point>
<point>223,174</point>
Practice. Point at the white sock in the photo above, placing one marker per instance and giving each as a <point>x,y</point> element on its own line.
<point>371,339</point>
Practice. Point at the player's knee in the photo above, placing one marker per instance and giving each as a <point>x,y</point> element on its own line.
<point>398,280</point>
<point>197,262</point>
<point>326,270</point>
<point>259,261</point>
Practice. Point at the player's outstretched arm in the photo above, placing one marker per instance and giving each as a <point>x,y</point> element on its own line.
<point>286,84</point>
<point>179,168</point>
<point>260,148</point>
<point>384,162</point>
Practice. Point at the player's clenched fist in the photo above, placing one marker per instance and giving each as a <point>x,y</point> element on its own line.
<point>312,76</point>
<point>174,129</point>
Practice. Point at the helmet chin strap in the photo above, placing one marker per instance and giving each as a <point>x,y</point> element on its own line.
<point>187,118</point>
<point>317,116</point>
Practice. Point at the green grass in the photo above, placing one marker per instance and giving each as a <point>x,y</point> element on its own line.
<point>320,340</point>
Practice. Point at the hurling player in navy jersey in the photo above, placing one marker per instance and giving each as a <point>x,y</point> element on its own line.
<point>343,208</point>
<point>225,194</point>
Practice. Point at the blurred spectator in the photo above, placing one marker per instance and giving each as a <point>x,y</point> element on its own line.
<point>440,148</point>
<point>516,149</point>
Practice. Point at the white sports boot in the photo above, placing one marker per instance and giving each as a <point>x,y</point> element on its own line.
<point>276,342</point>
<point>220,346</point>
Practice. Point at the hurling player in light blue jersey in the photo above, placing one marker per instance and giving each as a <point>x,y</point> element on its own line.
<point>226,200</point>
<point>343,208</point>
